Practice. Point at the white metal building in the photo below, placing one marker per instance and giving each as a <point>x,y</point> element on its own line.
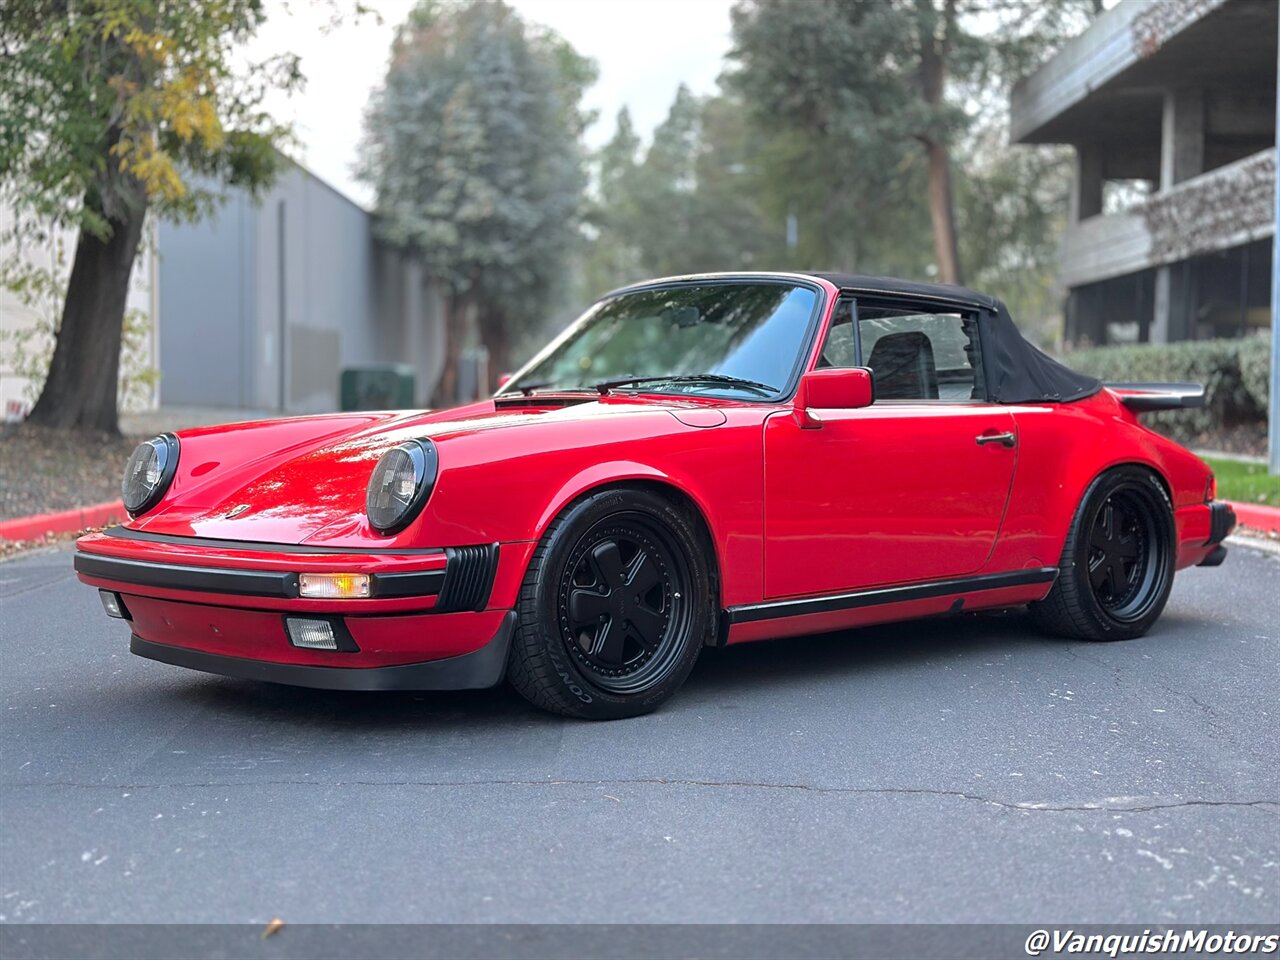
<point>262,304</point>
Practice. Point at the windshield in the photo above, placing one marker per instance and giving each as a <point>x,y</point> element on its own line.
<point>743,337</point>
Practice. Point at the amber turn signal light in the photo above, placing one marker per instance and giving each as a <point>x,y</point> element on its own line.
<point>333,586</point>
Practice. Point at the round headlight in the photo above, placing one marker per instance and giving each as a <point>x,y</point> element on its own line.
<point>400,485</point>
<point>148,473</point>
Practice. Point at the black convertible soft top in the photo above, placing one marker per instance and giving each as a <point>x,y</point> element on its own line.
<point>1015,370</point>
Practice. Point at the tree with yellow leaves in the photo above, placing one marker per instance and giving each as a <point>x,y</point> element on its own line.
<point>110,110</point>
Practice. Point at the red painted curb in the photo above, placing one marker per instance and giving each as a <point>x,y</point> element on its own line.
<point>66,521</point>
<point>1257,516</point>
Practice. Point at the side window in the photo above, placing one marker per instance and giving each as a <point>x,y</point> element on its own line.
<point>921,356</point>
<point>841,346</point>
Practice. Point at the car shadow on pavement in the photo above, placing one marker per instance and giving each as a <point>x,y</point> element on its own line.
<point>853,655</point>
<point>892,646</point>
<point>925,643</point>
<point>359,710</point>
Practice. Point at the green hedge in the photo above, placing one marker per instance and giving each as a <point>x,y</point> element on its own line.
<point>1235,373</point>
<point>1255,370</point>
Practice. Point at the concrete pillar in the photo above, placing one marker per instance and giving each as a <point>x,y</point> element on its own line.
<point>1071,328</point>
<point>1273,416</point>
<point>1181,136</point>
<point>1181,158</point>
<point>1086,195</point>
<point>1162,306</point>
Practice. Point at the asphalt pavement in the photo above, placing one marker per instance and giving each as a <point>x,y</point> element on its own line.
<point>952,770</point>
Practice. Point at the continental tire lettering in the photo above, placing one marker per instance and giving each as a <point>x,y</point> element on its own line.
<point>564,675</point>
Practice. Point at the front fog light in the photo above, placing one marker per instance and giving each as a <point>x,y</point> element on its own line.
<point>113,604</point>
<point>311,634</point>
<point>333,586</point>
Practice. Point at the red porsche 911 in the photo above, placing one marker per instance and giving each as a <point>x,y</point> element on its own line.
<point>696,461</point>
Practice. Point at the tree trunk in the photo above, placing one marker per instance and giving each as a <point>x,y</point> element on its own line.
<point>935,46</point>
<point>942,213</point>
<point>494,331</point>
<point>456,307</point>
<point>81,389</point>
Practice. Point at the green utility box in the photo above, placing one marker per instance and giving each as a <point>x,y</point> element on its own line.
<point>383,386</point>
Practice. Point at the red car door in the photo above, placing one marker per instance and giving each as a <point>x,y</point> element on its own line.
<point>911,488</point>
<point>888,494</point>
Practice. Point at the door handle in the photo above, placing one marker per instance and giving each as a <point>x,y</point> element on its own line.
<point>1004,439</point>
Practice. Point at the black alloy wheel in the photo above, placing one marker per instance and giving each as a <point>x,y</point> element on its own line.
<point>1118,561</point>
<point>1121,561</point>
<point>624,602</point>
<point>616,604</point>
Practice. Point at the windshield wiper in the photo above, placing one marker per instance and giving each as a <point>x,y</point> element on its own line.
<point>528,388</point>
<point>606,385</point>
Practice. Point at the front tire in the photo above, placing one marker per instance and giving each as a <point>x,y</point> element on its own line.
<point>614,609</point>
<point>1117,565</point>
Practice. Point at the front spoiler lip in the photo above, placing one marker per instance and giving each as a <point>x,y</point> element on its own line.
<point>477,670</point>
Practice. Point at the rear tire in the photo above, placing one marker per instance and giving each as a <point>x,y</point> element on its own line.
<point>614,609</point>
<point>1117,564</point>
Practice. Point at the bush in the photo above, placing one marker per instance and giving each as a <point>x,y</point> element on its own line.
<point>1255,369</point>
<point>1235,374</point>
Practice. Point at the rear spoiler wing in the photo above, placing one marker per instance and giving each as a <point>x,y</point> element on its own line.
<point>1144,397</point>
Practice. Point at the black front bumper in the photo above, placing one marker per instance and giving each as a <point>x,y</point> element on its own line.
<point>464,584</point>
<point>471,671</point>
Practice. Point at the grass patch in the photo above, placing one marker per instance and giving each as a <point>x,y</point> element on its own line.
<point>1245,482</point>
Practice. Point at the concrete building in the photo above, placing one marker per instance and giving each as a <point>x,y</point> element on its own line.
<point>263,303</point>
<point>1171,107</point>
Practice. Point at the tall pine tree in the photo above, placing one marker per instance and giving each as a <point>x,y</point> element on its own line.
<point>473,146</point>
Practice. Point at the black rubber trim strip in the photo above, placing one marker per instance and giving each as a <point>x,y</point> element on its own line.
<point>773,610</point>
<point>471,671</point>
<point>252,583</point>
<point>257,546</point>
<point>419,583</point>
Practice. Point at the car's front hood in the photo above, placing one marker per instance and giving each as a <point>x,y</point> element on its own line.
<point>286,481</point>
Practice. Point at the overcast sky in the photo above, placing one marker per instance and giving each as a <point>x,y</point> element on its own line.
<point>644,49</point>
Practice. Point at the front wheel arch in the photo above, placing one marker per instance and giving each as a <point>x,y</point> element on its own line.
<point>623,476</point>
<point>587,674</point>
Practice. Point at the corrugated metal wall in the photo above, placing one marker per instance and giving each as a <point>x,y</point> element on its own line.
<point>262,304</point>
